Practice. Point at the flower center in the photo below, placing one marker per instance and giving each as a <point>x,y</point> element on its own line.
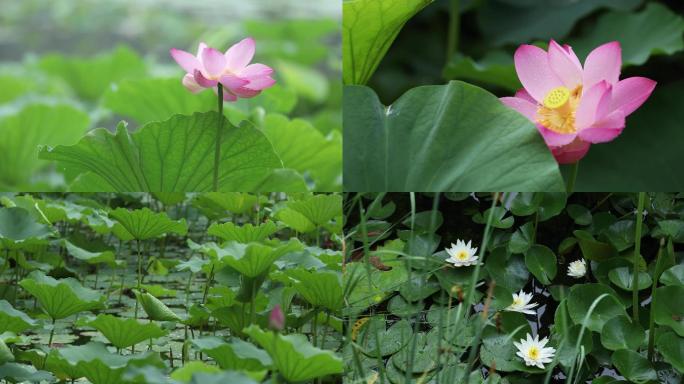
<point>517,301</point>
<point>557,112</point>
<point>533,353</point>
<point>462,255</point>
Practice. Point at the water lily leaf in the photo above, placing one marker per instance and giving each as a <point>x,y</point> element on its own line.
<point>498,220</point>
<point>581,298</point>
<point>508,271</point>
<point>13,320</point>
<point>622,277</point>
<point>505,21</point>
<point>593,249</point>
<point>669,307</point>
<point>94,362</point>
<point>107,257</point>
<point>234,355</point>
<point>124,333</point>
<point>17,226</point>
<point>664,35</point>
<point>672,348</point>
<point>90,77</point>
<point>145,224</point>
<point>567,352</point>
<point>246,233</point>
<point>33,126</point>
<point>580,214</point>
<point>454,137</point>
<point>652,159</point>
<point>495,68</point>
<point>620,333</point>
<point>296,358</point>
<point>399,306</point>
<point>305,149</point>
<point>155,308</point>
<point>368,29</point>
<point>521,239</point>
<point>499,351</point>
<point>175,155</point>
<point>673,276</point>
<point>633,366</point>
<point>389,340</point>
<point>542,262</point>
<point>318,288</point>
<point>61,298</point>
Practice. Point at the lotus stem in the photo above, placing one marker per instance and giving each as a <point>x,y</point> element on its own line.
<point>207,284</point>
<point>651,319</point>
<point>637,248</point>
<point>52,333</point>
<point>219,131</point>
<point>139,277</point>
<point>570,185</point>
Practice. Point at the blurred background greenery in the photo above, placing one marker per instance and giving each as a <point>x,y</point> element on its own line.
<point>100,62</point>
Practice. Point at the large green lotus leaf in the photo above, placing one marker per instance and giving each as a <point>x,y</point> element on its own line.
<point>124,333</point>
<point>17,225</point>
<point>672,348</point>
<point>14,87</point>
<point>653,151</point>
<point>665,29</point>
<point>94,362</point>
<point>13,320</point>
<point>234,355</point>
<point>5,353</point>
<point>107,257</point>
<point>176,155</point>
<point>541,261</point>
<point>581,298</point>
<point>296,358</point>
<point>19,373</point>
<point>319,209</point>
<point>295,220</point>
<point>633,366</point>
<point>621,333</point>
<point>253,259</point>
<point>90,77</point>
<point>368,29</point>
<point>155,308</point>
<point>24,132</point>
<point>306,38</point>
<point>514,21</point>
<point>669,307</point>
<point>246,233</point>
<point>218,204</point>
<point>307,82</point>
<point>495,68</point>
<point>61,298</point>
<point>318,288</point>
<point>304,148</point>
<point>145,224</point>
<point>454,137</point>
<point>222,377</point>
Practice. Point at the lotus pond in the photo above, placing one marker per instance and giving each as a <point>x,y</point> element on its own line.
<point>93,101</point>
<point>514,288</point>
<point>171,288</point>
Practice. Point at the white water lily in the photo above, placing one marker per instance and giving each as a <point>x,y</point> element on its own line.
<point>462,254</point>
<point>577,268</point>
<point>521,303</point>
<point>534,351</point>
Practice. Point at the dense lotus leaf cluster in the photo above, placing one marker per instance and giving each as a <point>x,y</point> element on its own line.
<point>130,288</point>
<point>567,288</point>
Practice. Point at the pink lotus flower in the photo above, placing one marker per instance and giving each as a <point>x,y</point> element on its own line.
<point>574,107</point>
<point>276,319</point>
<point>232,70</point>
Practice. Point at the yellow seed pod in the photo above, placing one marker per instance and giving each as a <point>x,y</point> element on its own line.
<point>557,97</point>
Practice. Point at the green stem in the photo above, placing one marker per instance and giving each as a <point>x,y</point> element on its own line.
<point>637,248</point>
<point>52,333</point>
<point>651,319</point>
<point>139,276</point>
<point>570,186</point>
<point>454,29</point>
<point>208,284</point>
<point>252,303</point>
<point>219,132</point>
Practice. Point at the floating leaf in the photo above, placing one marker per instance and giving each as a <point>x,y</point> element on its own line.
<point>582,297</point>
<point>246,233</point>
<point>673,276</point>
<point>454,137</point>
<point>173,155</point>
<point>623,277</point>
<point>633,366</point>
<point>61,298</point>
<point>672,348</point>
<point>542,262</point>
<point>368,29</point>
<point>124,333</point>
<point>234,355</point>
<point>621,333</point>
<point>33,126</point>
<point>145,224</point>
<point>13,320</point>
<point>665,29</point>
<point>669,307</point>
<point>293,355</point>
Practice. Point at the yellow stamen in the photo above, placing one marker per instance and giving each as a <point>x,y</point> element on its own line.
<point>533,353</point>
<point>463,255</point>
